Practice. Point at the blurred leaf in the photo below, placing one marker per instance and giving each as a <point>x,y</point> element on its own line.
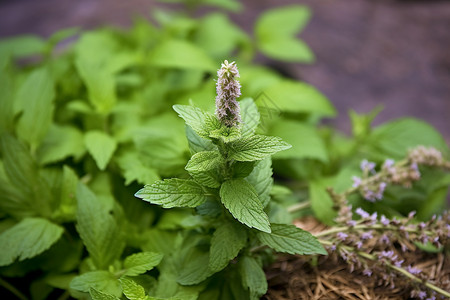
<point>59,143</point>
<point>101,146</point>
<point>35,97</point>
<point>30,237</point>
<point>305,140</point>
<point>321,202</point>
<point>253,277</point>
<point>275,31</point>
<point>20,46</point>
<point>182,55</point>
<point>295,97</point>
<point>103,281</point>
<point>133,169</point>
<point>98,228</point>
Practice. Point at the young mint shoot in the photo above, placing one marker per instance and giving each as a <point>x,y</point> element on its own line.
<point>230,170</point>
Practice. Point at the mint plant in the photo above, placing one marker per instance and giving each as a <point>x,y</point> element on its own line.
<point>229,185</point>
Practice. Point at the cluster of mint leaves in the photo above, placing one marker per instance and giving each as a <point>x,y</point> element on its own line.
<point>229,185</point>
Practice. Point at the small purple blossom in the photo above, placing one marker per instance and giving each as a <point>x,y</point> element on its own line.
<point>356,181</point>
<point>388,163</point>
<point>385,221</point>
<point>359,244</point>
<point>342,236</point>
<point>413,270</point>
<point>367,272</point>
<point>367,166</point>
<point>362,213</point>
<point>366,235</point>
<point>385,239</point>
<point>351,223</point>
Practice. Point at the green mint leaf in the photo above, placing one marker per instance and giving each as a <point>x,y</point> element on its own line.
<point>28,238</point>
<point>226,134</point>
<point>99,81</point>
<point>250,117</point>
<point>195,268</point>
<point>200,121</point>
<point>276,32</point>
<point>261,179</point>
<point>210,208</point>
<point>102,281</point>
<point>241,199</point>
<point>59,143</point>
<point>321,202</point>
<point>182,55</point>
<point>98,228</point>
<point>132,290</point>
<point>394,139</point>
<point>97,295</point>
<point>101,146</point>
<point>253,277</point>
<point>134,170</point>
<point>196,143</point>
<point>227,241</point>
<point>242,169</point>
<point>256,147</point>
<point>22,45</point>
<point>36,99</point>
<point>6,98</point>
<point>305,140</point>
<point>204,161</point>
<point>209,178</point>
<point>296,97</point>
<point>291,239</point>
<point>173,193</point>
<point>140,263</point>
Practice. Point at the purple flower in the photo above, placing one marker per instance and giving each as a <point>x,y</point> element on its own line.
<point>366,235</point>
<point>385,239</point>
<point>351,223</point>
<point>388,163</point>
<point>367,165</point>
<point>385,221</point>
<point>356,181</point>
<point>367,272</point>
<point>359,244</point>
<point>362,213</point>
<point>342,236</point>
<point>228,89</point>
<point>413,270</point>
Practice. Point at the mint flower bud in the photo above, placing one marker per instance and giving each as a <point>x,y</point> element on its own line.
<point>228,89</point>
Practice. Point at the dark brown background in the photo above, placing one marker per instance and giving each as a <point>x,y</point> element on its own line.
<point>369,52</point>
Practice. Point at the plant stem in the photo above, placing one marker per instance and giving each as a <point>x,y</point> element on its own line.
<point>12,289</point>
<point>362,226</point>
<point>299,206</point>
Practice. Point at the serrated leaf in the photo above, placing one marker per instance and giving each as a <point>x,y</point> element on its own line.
<point>241,199</point>
<point>140,263</point>
<point>97,295</point>
<point>209,178</point>
<point>253,277</point>
<point>204,161</point>
<point>227,241</point>
<point>132,290</point>
<point>261,179</point>
<point>98,228</point>
<point>226,134</point>
<point>28,238</point>
<point>305,140</point>
<point>101,146</point>
<point>200,121</point>
<point>295,97</point>
<point>182,55</point>
<point>249,115</point>
<point>35,98</point>
<point>256,147</point>
<point>59,143</point>
<point>173,193</point>
<point>102,281</point>
<point>196,143</point>
<point>291,239</point>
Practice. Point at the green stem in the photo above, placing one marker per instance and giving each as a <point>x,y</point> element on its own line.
<point>12,289</point>
<point>299,206</point>
<point>366,227</point>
